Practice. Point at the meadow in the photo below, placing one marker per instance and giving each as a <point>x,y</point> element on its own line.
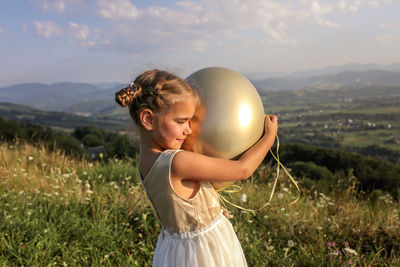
<point>59,210</point>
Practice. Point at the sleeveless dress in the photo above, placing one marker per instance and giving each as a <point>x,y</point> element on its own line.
<point>194,231</point>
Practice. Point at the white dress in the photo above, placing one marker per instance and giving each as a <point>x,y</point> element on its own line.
<point>194,231</point>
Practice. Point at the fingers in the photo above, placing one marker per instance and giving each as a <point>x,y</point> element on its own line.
<point>271,117</point>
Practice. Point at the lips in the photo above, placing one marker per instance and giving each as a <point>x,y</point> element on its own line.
<point>181,140</point>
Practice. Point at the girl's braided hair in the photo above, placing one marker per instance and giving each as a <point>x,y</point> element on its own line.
<point>154,89</point>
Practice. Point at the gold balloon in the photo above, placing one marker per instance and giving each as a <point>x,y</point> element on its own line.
<point>230,118</point>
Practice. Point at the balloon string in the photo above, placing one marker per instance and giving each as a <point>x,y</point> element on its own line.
<point>237,188</point>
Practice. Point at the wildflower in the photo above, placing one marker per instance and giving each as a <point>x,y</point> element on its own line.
<point>291,243</point>
<point>285,189</point>
<point>89,191</point>
<point>270,247</point>
<point>351,251</point>
<point>127,178</point>
<point>30,158</point>
<point>333,254</point>
<point>331,244</point>
<point>280,196</point>
<point>243,198</point>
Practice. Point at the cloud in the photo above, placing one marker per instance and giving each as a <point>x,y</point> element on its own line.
<point>117,9</point>
<point>1,30</point>
<point>79,31</point>
<point>59,6</point>
<point>318,12</point>
<point>193,26</point>
<point>347,6</point>
<point>46,5</point>
<point>47,28</point>
<point>190,5</point>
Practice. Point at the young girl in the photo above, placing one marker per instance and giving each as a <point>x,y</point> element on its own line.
<point>194,230</point>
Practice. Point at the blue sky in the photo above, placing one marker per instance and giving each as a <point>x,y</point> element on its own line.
<point>98,40</point>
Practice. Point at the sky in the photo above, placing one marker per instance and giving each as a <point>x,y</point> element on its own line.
<point>97,41</point>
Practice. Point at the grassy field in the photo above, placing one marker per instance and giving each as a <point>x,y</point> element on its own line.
<point>61,211</point>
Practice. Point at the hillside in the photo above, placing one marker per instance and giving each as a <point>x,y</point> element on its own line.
<point>329,81</point>
<point>62,120</point>
<point>54,97</point>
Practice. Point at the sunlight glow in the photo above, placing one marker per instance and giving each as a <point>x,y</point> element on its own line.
<point>245,115</point>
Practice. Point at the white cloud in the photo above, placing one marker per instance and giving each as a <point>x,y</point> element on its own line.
<point>117,9</point>
<point>59,6</point>
<point>1,29</point>
<point>79,31</point>
<point>46,5</point>
<point>318,12</point>
<point>347,6</point>
<point>190,5</point>
<point>47,28</point>
<point>201,25</point>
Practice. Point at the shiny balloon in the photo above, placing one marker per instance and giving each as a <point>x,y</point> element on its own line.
<point>230,118</point>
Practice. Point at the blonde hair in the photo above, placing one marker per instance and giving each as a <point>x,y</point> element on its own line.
<point>154,89</point>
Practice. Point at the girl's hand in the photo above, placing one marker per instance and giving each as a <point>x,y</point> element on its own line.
<point>271,126</point>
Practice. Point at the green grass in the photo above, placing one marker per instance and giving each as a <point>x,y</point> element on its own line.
<point>60,211</point>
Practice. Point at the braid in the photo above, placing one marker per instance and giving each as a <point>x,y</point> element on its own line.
<point>126,95</point>
<point>155,90</point>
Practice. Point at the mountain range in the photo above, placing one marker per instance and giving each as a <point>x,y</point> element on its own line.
<point>97,99</point>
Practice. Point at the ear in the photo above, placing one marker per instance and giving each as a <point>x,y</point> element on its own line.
<point>146,117</point>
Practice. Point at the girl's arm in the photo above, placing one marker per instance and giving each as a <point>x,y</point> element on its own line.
<point>193,166</point>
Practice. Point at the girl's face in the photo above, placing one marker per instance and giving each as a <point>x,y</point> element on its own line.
<point>172,128</point>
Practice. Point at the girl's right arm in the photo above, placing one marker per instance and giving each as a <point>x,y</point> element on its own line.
<point>193,166</point>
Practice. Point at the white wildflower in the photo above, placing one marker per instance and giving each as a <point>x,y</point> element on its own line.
<point>351,251</point>
<point>30,158</point>
<point>291,243</point>
<point>127,178</point>
<point>243,198</point>
<point>285,189</point>
<point>280,196</point>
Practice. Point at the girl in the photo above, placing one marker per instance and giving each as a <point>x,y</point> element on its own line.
<point>194,230</point>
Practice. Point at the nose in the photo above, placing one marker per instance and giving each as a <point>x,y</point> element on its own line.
<point>188,130</point>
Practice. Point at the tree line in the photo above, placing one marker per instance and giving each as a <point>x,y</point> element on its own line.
<point>314,166</point>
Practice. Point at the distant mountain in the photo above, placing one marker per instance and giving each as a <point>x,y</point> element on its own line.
<point>330,70</point>
<point>108,85</point>
<point>57,96</point>
<point>336,81</point>
<point>63,120</point>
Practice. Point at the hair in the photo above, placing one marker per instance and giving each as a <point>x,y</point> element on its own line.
<point>154,89</point>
